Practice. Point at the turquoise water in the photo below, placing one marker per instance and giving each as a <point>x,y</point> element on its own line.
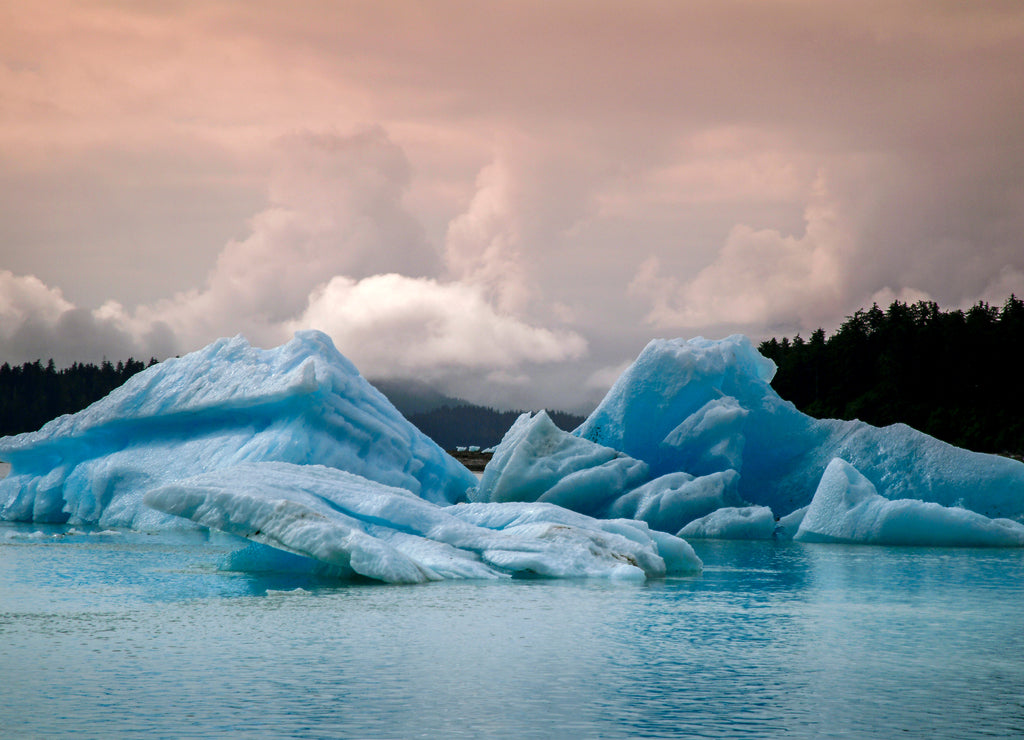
<point>132,635</point>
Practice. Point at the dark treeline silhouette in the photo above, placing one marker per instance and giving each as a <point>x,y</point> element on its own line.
<point>33,393</point>
<point>953,374</point>
<point>467,424</point>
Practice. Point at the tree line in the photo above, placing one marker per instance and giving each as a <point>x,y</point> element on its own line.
<point>33,393</point>
<point>953,374</point>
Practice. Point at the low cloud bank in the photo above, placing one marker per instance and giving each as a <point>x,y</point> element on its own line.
<point>336,250</point>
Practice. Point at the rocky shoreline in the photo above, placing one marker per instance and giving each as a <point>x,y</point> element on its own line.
<point>475,460</point>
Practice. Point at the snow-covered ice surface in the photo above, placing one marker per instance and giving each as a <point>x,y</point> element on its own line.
<point>701,406</point>
<point>353,525</point>
<point>226,404</point>
<point>847,508</point>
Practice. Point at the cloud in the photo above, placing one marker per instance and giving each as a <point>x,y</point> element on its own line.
<point>482,244</point>
<point>36,322</point>
<point>25,296</point>
<point>760,277</point>
<point>181,163</point>
<point>394,325</point>
<point>604,378</point>
<point>1009,281</point>
<point>336,208</point>
<point>324,255</point>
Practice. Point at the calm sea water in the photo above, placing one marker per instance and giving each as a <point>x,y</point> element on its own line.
<point>132,635</point>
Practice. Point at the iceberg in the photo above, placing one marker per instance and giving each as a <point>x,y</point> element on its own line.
<point>733,523</point>
<point>537,461</point>
<point>226,404</point>
<point>703,406</point>
<point>355,526</point>
<point>846,508</point>
<point>789,525</point>
<point>671,501</point>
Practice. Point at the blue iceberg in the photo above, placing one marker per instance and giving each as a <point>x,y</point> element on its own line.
<point>537,461</point>
<point>291,449</point>
<point>224,405</point>
<point>352,525</point>
<point>671,501</point>
<point>846,508</point>
<point>703,406</point>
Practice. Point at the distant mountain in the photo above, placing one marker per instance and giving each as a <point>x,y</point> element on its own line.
<point>414,396</point>
<point>454,422</point>
<point>466,425</point>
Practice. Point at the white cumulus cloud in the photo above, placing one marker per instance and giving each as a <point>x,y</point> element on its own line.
<point>394,325</point>
<point>759,277</point>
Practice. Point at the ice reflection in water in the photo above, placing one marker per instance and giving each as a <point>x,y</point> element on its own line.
<point>129,635</point>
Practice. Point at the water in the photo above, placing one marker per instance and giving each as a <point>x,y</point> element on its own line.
<point>131,635</point>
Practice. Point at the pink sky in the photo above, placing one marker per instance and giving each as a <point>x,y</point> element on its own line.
<point>507,198</point>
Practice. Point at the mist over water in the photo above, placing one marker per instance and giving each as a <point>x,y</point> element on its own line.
<point>125,634</point>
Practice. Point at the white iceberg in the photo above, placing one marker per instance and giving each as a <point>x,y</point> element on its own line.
<point>697,405</point>
<point>537,461</point>
<point>847,508</point>
<point>226,404</point>
<point>733,523</point>
<point>356,526</point>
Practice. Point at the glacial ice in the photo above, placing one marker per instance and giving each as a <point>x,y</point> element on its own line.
<point>226,404</point>
<point>292,449</point>
<point>356,526</point>
<point>537,461</point>
<point>789,525</point>
<point>671,501</point>
<point>733,523</point>
<point>702,406</point>
<point>846,508</point>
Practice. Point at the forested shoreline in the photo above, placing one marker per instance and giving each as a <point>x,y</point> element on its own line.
<point>32,394</point>
<point>953,374</point>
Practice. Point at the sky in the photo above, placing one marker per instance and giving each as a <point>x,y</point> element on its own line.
<point>506,199</point>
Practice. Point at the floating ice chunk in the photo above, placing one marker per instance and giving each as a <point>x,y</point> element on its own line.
<point>229,403</point>
<point>676,406</point>
<point>357,526</point>
<point>733,523</point>
<point>671,501</point>
<point>790,524</point>
<point>676,553</point>
<point>288,592</point>
<point>847,508</point>
<point>537,461</point>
